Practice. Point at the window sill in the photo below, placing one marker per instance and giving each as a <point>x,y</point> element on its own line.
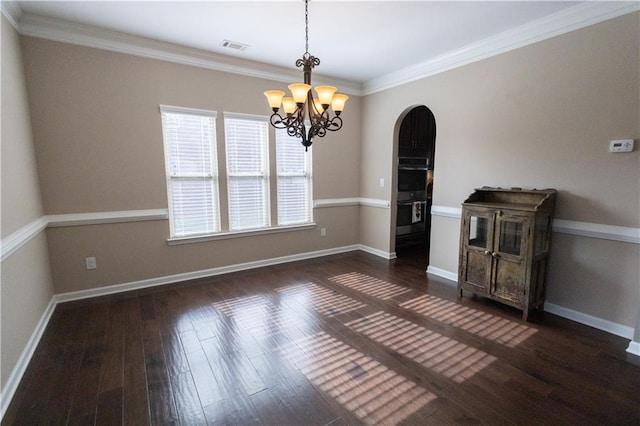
<point>239,234</point>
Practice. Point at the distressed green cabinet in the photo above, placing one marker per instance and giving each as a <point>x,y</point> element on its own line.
<point>504,245</point>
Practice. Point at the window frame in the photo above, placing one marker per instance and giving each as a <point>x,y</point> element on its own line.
<point>307,174</point>
<point>219,161</point>
<point>213,176</point>
<point>264,174</point>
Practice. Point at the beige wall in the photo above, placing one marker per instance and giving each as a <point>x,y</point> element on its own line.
<point>606,272</point>
<point>98,138</point>
<point>128,252</point>
<point>538,117</point>
<point>26,286</point>
<point>97,123</point>
<point>26,292</point>
<point>20,193</point>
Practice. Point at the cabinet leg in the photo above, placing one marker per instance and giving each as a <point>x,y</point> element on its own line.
<point>459,298</point>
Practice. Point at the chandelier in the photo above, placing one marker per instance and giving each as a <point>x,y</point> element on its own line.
<point>301,108</point>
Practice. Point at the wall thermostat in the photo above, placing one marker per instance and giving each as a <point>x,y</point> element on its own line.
<point>621,145</point>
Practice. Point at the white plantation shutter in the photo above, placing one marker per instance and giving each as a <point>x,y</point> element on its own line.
<point>247,143</point>
<point>191,169</point>
<point>294,180</point>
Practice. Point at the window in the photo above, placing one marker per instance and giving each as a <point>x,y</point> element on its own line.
<point>193,182</point>
<point>247,143</point>
<point>191,170</point>
<point>294,180</point>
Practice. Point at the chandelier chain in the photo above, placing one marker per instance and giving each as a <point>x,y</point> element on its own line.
<point>306,27</point>
<point>298,110</point>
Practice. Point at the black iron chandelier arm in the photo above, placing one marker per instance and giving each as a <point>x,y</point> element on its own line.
<point>335,123</point>
<point>278,121</point>
<point>291,123</point>
<point>296,131</point>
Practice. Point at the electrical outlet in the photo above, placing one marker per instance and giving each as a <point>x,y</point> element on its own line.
<point>323,232</point>
<point>90,263</point>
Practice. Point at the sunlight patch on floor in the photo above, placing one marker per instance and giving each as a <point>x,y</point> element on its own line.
<point>371,391</point>
<point>369,285</point>
<point>439,353</point>
<point>491,327</point>
<point>323,300</point>
<point>257,314</point>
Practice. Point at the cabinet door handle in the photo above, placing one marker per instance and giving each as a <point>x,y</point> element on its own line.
<point>495,255</point>
<point>487,252</point>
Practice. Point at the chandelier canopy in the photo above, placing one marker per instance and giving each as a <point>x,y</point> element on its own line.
<point>301,108</point>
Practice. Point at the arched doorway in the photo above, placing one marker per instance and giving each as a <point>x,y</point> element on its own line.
<point>416,155</point>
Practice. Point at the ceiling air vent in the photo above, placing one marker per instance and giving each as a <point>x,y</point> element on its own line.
<point>234,45</point>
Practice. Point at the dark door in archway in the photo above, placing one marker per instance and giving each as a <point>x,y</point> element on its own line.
<point>416,155</point>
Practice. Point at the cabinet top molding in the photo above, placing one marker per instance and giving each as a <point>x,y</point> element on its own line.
<point>513,198</point>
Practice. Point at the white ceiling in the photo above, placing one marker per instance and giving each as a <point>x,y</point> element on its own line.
<point>358,41</point>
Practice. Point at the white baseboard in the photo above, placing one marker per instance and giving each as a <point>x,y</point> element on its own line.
<point>21,366</point>
<point>205,273</point>
<point>579,317</point>
<point>591,321</point>
<point>13,381</point>
<point>18,371</point>
<point>451,276</point>
<point>380,253</point>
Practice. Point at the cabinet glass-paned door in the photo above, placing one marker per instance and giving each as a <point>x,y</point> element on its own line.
<point>509,267</point>
<point>510,238</point>
<point>478,231</point>
<point>475,268</point>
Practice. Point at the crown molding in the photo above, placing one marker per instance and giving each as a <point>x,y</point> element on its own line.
<point>12,11</point>
<point>574,18</point>
<point>89,36</point>
<point>570,19</point>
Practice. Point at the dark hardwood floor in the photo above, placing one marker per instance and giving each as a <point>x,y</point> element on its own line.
<point>345,339</point>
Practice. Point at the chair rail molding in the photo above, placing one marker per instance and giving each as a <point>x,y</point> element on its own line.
<point>562,226</point>
<point>22,236</point>
<point>97,218</point>
<point>353,201</point>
